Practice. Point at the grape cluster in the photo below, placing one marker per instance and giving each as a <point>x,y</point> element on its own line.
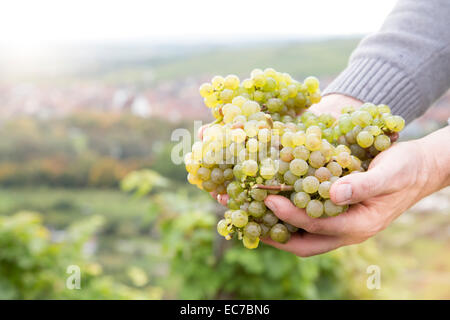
<point>265,141</point>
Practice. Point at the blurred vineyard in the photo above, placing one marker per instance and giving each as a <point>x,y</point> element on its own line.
<point>95,187</point>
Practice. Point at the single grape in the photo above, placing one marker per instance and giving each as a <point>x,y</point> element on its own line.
<point>298,185</point>
<point>313,142</point>
<point>314,209</point>
<point>382,142</point>
<point>332,209</point>
<point>301,199</point>
<point>252,230</point>
<point>209,186</point>
<point>222,228</point>
<point>258,194</point>
<point>324,189</point>
<point>289,178</point>
<point>279,233</point>
<point>301,152</point>
<point>310,184</point>
<point>217,176</point>
<point>250,243</point>
<point>364,139</point>
<point>298,167</point>
<point>234,189</point>
<point>239,218</point>
<point>323,174</point>
<point>257,209</point>
<point>269,219</point>
<point>316,159</point>
<point>335,169</point>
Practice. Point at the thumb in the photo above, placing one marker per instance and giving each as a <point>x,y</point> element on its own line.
<point>360,186</point>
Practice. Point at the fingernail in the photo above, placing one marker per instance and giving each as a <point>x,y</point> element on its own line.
<point>219,198</point>
<point>271,204</point>
<point>343,193</point>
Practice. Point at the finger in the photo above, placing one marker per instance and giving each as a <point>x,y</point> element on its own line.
<point>223,199</point>
<point>285,210</point>
<point>307,244</point>
<point>360,186</point>
<point>200,131</point>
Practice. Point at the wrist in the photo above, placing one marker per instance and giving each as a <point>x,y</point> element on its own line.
<point>436,154</point>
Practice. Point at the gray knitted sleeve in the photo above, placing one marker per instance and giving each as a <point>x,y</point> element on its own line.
<point>406,64</point>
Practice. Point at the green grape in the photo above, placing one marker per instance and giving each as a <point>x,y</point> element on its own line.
<point>264,135</point>
<point>231,82</point>
<point>289,178</point>
<point>226,95</point>
<point>204,173</point>
<point>252,230</point>
<point>286,154</point>
<point>335,169</point>
<point>269,219</point>
<point>218,82</point>
<point>382,142</point>
<point>314,130</point>
<point>228,174</point>
<point>298,185</point>
<point>239,218</point>
<point>257,209</point>
<point>310,184</point>
<point>250,167</point>
<point>364,139</point>
<point>298,167</point>
<point>238,173</point>
<point>313,142</point>
<point>234,189</point>
<point>286,139</point>
<point>301,152</point>
<point>238,101</point>
<point>206,89</point>
<point>250,107</point>
<point>250,243</point>
<point>233,204</point>
<point>382,108</point>
<point>358,151</point>
<point>209,186</point>
<point>222,228</point>
<point>265,230</point>
<point>312,84</point>
<point>361,118</point>
<point>314,209</point>
<point>258,194</point>
<point>394,123</point>
<point>217,176</point>
<point>193,179</point>
<point>274,105</point>
<point>283,166</point>
<point>301,199</point>
<point>344,159</point>
<point>279,233</point>
<point>374,130</point>
<point>324,189</point>
<point>316,159</point>
<point>323,174</point>
<point>332,209</point>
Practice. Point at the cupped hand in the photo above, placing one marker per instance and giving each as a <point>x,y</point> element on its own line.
<point>396,179</point>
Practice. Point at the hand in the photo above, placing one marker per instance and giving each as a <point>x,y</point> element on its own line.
<point>397,178</point>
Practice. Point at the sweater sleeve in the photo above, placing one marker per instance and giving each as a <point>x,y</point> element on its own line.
<point>406,64</point>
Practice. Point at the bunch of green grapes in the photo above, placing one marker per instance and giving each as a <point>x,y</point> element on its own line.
<point>264,141</point>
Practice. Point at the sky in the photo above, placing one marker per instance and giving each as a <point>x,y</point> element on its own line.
<point>43,22</point>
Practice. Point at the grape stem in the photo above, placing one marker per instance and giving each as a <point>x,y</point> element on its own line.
<point>280,187</point>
